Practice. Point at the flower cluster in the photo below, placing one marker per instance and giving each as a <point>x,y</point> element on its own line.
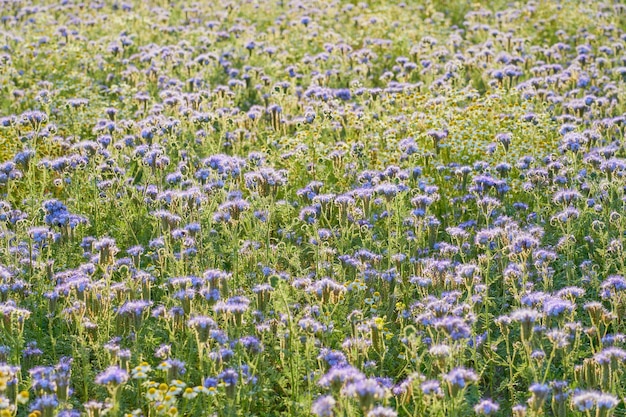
<point>328,208</point>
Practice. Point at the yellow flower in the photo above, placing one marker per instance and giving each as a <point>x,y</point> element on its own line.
<point>141,371</point>
<point>151,384</point>
<point>164,366</point>
<point>22,397</point>
<point>178,383</point>
<point>153,394</point>
<point>189,393</point>
<point>139,374</point>
<point>205,390</point>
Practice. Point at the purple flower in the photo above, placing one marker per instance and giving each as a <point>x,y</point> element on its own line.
<point>380,411</point>
<point>251,344</point>
<point>332,357</point>
<point>609,355</point>
<point>555,307</point>
<point>112,376</point>
<point>486,408</point>
<point>431,387</point>
<point>611,285</point>
<point>337,376</point>
<point>45,404</point>
<point>586,400</point>
<point>175,368</point>
<point>524,243</point>
<point>323,406</point>
<point>229,377</point>
<point>367,391</point>
<point>539,393</point>
<point>458,378</point>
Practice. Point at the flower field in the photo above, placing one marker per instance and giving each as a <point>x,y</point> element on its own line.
<point>312,208</point>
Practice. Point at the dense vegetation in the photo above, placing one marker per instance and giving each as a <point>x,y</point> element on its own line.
<point>324,208</point>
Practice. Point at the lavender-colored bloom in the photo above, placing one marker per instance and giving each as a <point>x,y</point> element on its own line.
<point>367,391</point>
<point>135,250</point>
<point>610,355</point>
<point>486,408</point>
<point>45,404</point>
<point>613,284</point>
<point>323,406</point>
<point>455,327</point>
<point>251,344</point>
<point>68,412</point>
<point>337,376</point>
<point>380,411</point>
<point>523,243</point>
<point>42,379</point>
<point>555,307</point>
<point>525,315</point>
<point>332,357</point>
<point>539,395</point>
<point>432,387</point>
<point>112,376</point>
<point>458,378</point>
<point>519,410</point>
<point>587,400</point>
<point>229,377</point>
<point>134,308</point>
<point>606,402</point>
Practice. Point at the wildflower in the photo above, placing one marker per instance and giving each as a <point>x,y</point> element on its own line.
<point>519,410</point>
<point>22,397</point>
<point>367,391</point>
<point>527,318</point>
<point>141,371</point>
<point>539,395</point>
<point>190,393</point>
<point>458,379</point>
<point>323,406</point>
<point>229,378</point>
<point>524,243</point>
<point>432,387</point>
<point>585,401</point>
<point>380,411</point>
<point>251,344</point>
<point>173,367</point>
<point>338,376</point>
<point>45,404</point>
<point>202,326</point>
<point>559,397</point>
<point>112,376</point>
<point>332,357</point>
<point>486,408</point>
<point>95,408</point>
<point>555,307</point>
